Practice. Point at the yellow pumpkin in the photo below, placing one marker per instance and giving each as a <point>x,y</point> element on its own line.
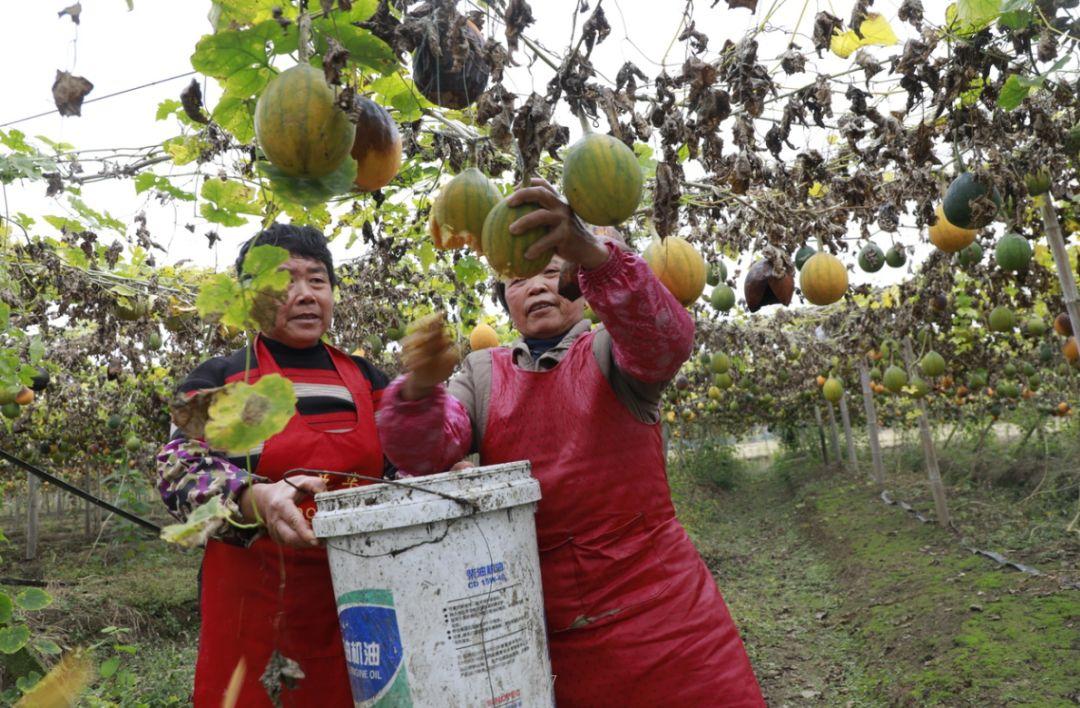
<point>678,266</point>
<point>948,237</point>
<point>483,337</point>
<point>823,279</point>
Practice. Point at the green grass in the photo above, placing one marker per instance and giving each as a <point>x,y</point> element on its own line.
<point>845,600</point>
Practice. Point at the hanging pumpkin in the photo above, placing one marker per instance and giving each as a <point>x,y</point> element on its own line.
<point>376,145</point>
<point>946,236</point>
<point>459,211</point>
<point>678,266</point>
<point>764,285</point>
<point>823,279</point>
<point>961,202</point>
<point>299,127</point>
<point>444,81</point>
<point>602,179</point>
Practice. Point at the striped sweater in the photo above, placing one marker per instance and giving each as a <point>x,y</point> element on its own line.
<point>190,474</point>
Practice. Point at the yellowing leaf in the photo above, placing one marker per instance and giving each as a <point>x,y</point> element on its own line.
<point>243,415</point>
<point>63,685</point>
<point>875,30</point>
<point>888,176</point>
<point>200,525</point>
<point>817,190</point>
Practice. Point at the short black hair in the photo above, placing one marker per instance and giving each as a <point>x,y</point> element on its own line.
<point>499,287</point>
<point>303,241</point>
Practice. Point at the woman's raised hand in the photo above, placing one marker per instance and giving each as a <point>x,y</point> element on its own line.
<point>429,355</point>
<point>567,235</point>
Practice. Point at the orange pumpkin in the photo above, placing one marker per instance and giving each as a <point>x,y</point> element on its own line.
<point>1070,350</point>
<point>679,266</point>
<point>376,147</point>
<point>823,279</point>
<point>947,237</point>
<point>483,337</point>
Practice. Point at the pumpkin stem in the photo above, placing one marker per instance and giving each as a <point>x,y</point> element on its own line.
<point>585,126</point>
<point>303,24</point>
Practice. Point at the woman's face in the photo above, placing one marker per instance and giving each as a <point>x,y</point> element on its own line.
<point>536,308</point>
<point>305,313</point>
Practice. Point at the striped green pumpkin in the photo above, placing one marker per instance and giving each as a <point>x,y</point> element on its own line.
<point>459,212</point>
<point>298,126</point>
<point>601,179</point>
<point>505,252</point>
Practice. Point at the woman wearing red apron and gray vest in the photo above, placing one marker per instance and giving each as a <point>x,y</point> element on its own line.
<point>634,616</point>
<point>268,590</point>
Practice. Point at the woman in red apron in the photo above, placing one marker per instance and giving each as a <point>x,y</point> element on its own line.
<point>274,594</point>
<point>634,616</point>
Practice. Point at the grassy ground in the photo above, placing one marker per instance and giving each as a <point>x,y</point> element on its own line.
<point>843,600</point>
<point>133,600</point>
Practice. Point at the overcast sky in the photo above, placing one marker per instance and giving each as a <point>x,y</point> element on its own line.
<point>117,50</point>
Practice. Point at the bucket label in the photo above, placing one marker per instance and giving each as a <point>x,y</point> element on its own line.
<point>373,650</point>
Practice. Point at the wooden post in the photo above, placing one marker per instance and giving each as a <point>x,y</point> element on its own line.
<point>936,487</point>
<point>32,484</point>
<point>821,434</point>
<point>1061,258</point>
<point>834,435</point>
<point>877,471</point>
<point>845,417</point>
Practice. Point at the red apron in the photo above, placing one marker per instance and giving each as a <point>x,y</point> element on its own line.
<point>266,597</point>
<point>634,616</point>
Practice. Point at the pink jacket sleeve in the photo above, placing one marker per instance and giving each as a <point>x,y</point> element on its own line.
<point>651,333</point>
<point>424,436</point>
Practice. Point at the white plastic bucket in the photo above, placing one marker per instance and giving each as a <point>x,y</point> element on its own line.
<point>440,601</point>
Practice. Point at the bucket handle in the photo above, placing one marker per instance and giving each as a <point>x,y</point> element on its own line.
<point>472,505</point>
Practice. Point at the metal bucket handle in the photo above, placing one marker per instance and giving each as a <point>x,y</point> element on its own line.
<point>469,503</point>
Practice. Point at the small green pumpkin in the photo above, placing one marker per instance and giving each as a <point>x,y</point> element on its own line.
<point>1012,253</point>
<point>965,189</point>
<point>871,258</point>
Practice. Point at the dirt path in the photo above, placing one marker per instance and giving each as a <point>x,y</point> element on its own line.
<point>843,601</point>
<point>780,590</point>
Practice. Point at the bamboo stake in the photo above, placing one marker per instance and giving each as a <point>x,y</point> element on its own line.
<point>834,435</point>
<point>936,487</point>
<point>32,516</point>
<point>821,434</point>
<point>845,417</point>
<point>1061,258</point>
<point>877,469</point>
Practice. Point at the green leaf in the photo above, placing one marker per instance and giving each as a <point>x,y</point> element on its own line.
<point>5,608</point>
<point>364,48</point>
<point>46,646</point>
<point>248,82</point>
<point>183,148</point>
<point>221,299</point>
<point>469,270</point>
<point>1016,89</point>
<point>36,351</point>
<point>200,525</point>
<point>14,638</point>
<point>1016,14</point>
<point>401,93</point>
<point>229,200</point>
<point>310,192</point>
<point>223,54</point>
<point>262,265</point>
<point>33,599</point>
<point>243,415</point>
<point>247,12</point>
<point>236,115</point>
<point>974,15</point>
<point>109,667</point>
<point>148,180</point>
<point>167,108</point>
